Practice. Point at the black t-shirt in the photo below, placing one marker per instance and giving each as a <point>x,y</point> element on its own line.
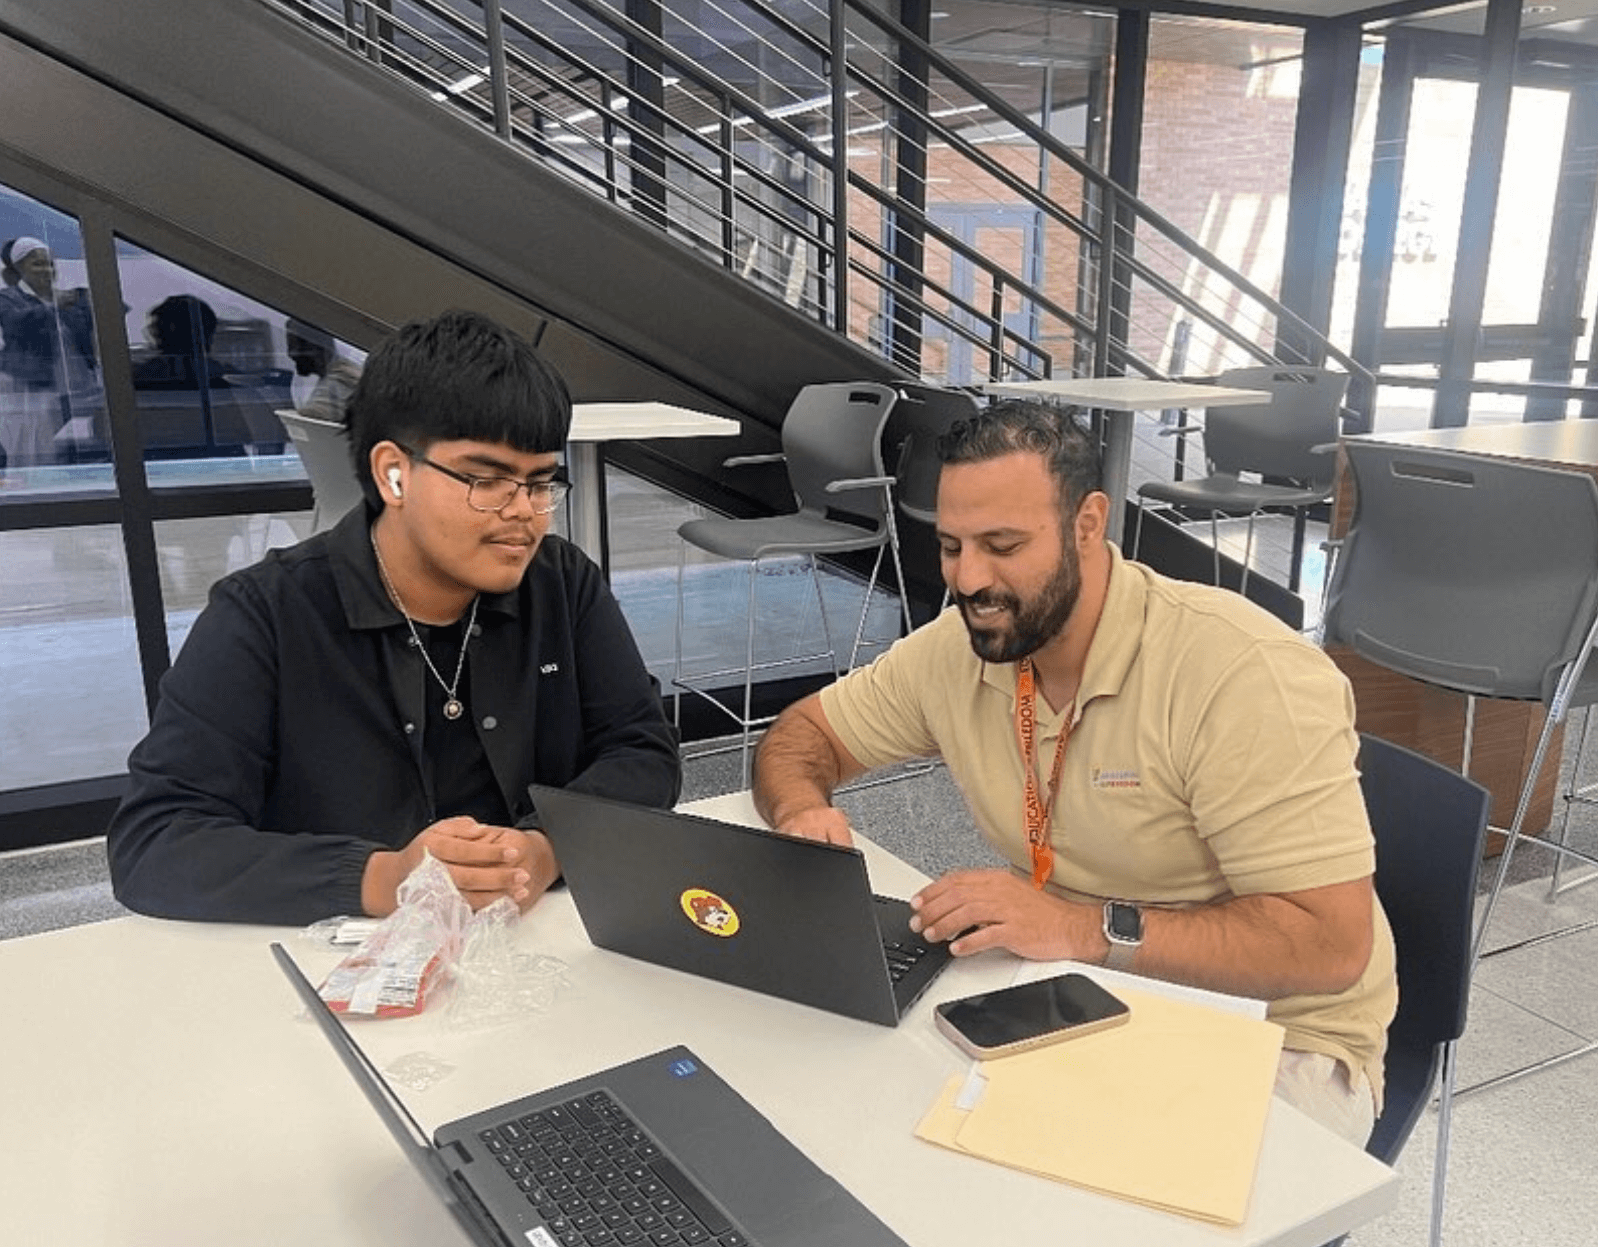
<point>463,782</point>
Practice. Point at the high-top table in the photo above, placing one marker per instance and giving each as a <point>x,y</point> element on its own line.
<point>159,1084</point>
<point>593,424</point>
<point>1118,398</point>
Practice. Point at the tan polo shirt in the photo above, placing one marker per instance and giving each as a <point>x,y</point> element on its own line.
<point>1212,756</point>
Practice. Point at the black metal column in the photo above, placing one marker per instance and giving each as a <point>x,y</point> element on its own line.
<point>127,451</point>
<point>910,189</point>
<point>1323,137</point>
<point>1126,149</point>
<point>1462,332</point>
<point>1381,219</point>
<point>1569,250</point>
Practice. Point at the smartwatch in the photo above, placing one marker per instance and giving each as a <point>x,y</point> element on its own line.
<point>1123,927</point>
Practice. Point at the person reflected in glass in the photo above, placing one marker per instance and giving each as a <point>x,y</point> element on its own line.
<point>48,369</point>
<point>392,685</point>
<point>315,354</point>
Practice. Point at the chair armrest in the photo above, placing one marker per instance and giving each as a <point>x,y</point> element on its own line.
<point>1323,448</point>
<point>744,461</point>
<point>859,482</point>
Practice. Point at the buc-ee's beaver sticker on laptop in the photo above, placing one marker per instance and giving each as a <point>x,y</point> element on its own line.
<point>709,912</point>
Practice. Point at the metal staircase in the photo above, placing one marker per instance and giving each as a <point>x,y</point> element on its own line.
<point>798,146</point>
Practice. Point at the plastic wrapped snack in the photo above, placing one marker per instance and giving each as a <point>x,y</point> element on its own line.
<point>397,966</point>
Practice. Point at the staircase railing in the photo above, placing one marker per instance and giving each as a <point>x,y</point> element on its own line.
<point>795,144</point>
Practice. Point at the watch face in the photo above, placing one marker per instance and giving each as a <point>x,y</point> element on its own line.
<point>1125,923</point>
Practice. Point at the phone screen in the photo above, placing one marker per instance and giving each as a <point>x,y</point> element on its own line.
<point>1029,1010</point>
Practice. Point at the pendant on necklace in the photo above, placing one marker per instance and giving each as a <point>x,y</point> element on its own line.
<point>452,709</point>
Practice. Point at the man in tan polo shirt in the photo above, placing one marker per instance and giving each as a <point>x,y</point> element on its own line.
<point>1188,807</point>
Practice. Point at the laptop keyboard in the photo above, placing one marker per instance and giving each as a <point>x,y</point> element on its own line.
<point>902,956</point>
<point>599,1180</point>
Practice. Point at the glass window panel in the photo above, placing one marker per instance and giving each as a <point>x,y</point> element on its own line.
<point>1219,114</point>
<point>69,659</point>
<point>52,401</point>
<point>194,554</point>
<point>211,367</point>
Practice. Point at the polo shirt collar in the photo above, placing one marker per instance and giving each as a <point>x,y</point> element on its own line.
<point>360,586</point>
<point>1115,641</point>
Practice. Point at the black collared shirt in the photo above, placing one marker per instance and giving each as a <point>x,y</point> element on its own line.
<point>289,740</point>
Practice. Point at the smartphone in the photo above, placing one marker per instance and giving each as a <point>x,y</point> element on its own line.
<point>1029,1015</point>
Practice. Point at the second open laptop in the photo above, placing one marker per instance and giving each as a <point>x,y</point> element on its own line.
<point>792,918</point>
<point>657,1151</point>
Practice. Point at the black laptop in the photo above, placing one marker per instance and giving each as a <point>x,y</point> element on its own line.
<point>789,917</point>
<point>657,1151</point>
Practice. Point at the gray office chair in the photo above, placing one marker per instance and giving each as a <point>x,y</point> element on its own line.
<point>1290,438</point>
<point>832,448</point>
<point>923,414</point>
<point>1430,825</point>
<point>324,449</point>
<point>1479,576</point>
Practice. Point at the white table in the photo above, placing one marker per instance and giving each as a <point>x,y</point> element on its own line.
<point>1118,398</point>
<point>158,1084</point>
<point>596,423</point>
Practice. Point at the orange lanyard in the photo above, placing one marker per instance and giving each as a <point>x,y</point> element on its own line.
<point>1036,808</point>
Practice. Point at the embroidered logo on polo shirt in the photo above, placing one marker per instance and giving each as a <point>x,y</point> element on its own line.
<point>549,668</point>
<point>1104,777</point>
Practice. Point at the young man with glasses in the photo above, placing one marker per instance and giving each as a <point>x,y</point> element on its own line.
<point>394,684</point>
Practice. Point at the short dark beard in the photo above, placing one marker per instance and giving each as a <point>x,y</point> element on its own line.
<point>1035,623</point>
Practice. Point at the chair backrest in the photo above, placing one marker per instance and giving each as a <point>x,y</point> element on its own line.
<point>1476,574</point>
<point>1430,824</point>
<point>833,432</point>
<point>1277,438</point>
<point>324,449</point>
<point>922,415</point>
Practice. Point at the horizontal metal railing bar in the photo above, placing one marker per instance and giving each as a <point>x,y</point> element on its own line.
<point>1523,389</point>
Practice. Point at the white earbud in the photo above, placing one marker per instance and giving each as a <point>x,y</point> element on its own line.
<point>393,483</point>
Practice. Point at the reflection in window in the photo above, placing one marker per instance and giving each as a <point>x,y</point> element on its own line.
<point>52,402</point>
<point>212,368</point>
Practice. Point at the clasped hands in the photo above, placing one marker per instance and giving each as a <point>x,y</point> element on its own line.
<point>485,862</point>
<point>975,910</point>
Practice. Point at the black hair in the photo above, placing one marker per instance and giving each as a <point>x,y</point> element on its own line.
<point>183,324</point>
<point>458,376</point>
<point>1020,425</point>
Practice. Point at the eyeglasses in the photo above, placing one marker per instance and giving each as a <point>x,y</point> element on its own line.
<point>495,493</point>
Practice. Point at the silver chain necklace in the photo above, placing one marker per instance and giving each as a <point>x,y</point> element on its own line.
<point>452,704</point>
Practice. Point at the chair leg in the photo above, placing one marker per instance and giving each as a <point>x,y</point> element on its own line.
<point>1215,544</point>
<point>749,671</point>
<point>1137,531</point>
<point>1445,1120</point>
<point>676,666</point>
<point>1300,526</point>
<point>865,609</point>
<point>1574,792</point>
<point>898,572</point>
<point>826,628</point>
<point>1248,556</point>
<point>1512,836</point>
